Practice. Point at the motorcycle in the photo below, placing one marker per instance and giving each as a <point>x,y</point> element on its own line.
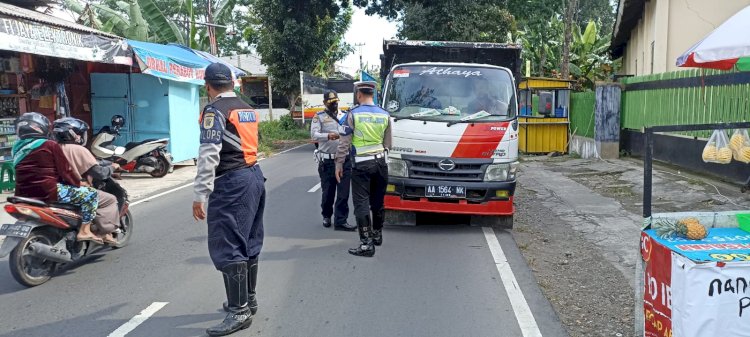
<point>148,156</point>
<point>43,239</point>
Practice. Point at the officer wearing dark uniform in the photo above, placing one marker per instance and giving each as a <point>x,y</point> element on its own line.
<point>366,133</point>
<point>325,131</point>
<point>232,183</point>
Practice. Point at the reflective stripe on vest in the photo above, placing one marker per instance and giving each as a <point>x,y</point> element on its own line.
<point>369,130</point>
<point>246,123</point>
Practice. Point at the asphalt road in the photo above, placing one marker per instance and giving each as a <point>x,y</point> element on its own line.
<point>428,280</point>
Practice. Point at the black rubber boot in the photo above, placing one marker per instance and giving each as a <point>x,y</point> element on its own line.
<point>239,316</point>
<point>377,227</point>
<point>366,248</point>
<point>252,274</point>
<point>252,277</point>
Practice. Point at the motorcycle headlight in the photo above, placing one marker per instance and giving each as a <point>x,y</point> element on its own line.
<point>501,172</point>
<point>397,168</point>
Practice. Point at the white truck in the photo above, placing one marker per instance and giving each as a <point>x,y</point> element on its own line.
<point>453,107</point>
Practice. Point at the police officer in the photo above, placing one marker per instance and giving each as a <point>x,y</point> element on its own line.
<point>367,135</point>
<point>230,180</point>
<point>325,131</point>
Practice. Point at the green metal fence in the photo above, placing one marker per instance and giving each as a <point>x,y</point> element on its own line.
<point>687,105</point>
<point>582,113</point>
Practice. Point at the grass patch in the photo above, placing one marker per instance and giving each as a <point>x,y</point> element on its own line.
<point>281,134</point>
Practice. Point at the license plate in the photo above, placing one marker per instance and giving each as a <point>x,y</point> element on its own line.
<point>17,230</point>
<point>443,191</point>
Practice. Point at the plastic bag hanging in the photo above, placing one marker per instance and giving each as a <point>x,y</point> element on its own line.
<point>740,145</point>
<point>717,149</point>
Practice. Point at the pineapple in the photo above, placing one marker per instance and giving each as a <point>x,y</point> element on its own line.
<point>689,228</point>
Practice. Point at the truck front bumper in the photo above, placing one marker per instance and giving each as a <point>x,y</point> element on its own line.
<point>482,198</point>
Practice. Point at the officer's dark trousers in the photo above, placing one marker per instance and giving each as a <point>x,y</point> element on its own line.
<point>235,216</point>
<point>369,179</point>
<point>335,191</point>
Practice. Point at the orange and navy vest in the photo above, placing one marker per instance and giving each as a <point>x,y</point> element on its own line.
<point>231,122</point>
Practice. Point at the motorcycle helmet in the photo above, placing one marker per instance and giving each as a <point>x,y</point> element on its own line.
<point>66,129</point>
<point>118,121</point>
<point>32,125</point>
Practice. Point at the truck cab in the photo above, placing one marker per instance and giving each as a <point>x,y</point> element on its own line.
<point>455,140</point>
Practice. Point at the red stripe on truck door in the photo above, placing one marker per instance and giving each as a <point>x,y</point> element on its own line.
<point>480,140</point>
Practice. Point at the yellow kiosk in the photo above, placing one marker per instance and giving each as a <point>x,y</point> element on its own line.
<point>544,107</point>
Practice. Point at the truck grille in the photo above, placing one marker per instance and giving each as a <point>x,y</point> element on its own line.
<point>427,168</point>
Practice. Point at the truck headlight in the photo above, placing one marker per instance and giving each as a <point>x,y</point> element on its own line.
<point>397,168</point>
<point>501,172</point>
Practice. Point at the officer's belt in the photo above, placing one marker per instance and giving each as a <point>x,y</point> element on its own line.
<point>359,159</point>
<point>323,155</point>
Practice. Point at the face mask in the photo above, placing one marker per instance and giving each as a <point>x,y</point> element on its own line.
<point>333,106</point>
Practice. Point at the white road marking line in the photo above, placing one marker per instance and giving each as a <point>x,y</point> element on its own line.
<point>525,318</point>
<point>314,188</point>
<point>191,184</point>
<point>138,319</point>
<point>160,194</point>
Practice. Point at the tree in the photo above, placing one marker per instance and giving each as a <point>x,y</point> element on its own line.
<point>295,35</point>
<point>569,23</point>
<point>457,20</point>
<point>339,49</point>
<point>168,21</point>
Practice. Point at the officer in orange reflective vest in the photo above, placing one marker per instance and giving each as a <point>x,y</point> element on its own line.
<point>232,183</point>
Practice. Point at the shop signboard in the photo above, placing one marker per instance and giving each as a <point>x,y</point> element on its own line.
<point>697,288</point>
<point>169,62</point>
<point>31,37</point>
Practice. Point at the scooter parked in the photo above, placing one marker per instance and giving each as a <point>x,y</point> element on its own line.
<point>148,156</point>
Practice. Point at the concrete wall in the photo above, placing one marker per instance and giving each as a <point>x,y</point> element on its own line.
<point>673,26</point>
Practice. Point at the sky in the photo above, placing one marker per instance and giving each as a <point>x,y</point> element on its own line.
<point>371,31</point>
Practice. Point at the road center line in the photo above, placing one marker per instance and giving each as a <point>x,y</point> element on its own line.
<point>525,318</point>
<point>314,188</point>
<point>138,319</point>
<point>191,184</point>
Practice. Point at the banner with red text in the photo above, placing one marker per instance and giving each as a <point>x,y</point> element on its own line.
<point>169,62</point>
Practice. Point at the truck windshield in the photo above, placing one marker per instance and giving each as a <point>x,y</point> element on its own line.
<point>452,94</point>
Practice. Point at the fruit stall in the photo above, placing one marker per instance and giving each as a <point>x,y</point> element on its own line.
<point>695,278</point>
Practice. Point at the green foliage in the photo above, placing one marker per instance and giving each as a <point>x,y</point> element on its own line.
<point>457,20</point>
<point>277,134</point>
<point>339,49</point>
<point>170,21</point>
<point>294,36</point>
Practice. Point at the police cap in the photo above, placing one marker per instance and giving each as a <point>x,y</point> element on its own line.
<point>330,96</point>
<point>366,87</point>
<point>218,73</point>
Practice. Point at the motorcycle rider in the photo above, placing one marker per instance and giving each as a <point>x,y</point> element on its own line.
<point>43,172</point>
<point>71,133</point>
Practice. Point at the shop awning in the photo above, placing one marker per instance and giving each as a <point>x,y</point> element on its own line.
<point>27,31</point>
<point>213,59</point>
<point>169,62</point>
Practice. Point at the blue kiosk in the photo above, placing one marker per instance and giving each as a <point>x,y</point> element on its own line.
<point>162,101</point>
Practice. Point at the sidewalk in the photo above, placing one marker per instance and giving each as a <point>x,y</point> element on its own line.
<point>578,224</point>
<point>137,185</point>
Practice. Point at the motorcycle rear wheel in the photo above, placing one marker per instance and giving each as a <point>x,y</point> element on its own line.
<point>27,269</point>
<point>161,169</point>
<point>126,230</point>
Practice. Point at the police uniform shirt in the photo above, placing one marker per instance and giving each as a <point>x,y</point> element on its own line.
<point>345,142</point>
<point>322,125</point>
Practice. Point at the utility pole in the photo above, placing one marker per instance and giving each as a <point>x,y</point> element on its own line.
<point>212,30</point>
<point>361,65</point>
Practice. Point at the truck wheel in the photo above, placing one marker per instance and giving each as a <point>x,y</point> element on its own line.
<point>498,222</point>
<point>400,218</point>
